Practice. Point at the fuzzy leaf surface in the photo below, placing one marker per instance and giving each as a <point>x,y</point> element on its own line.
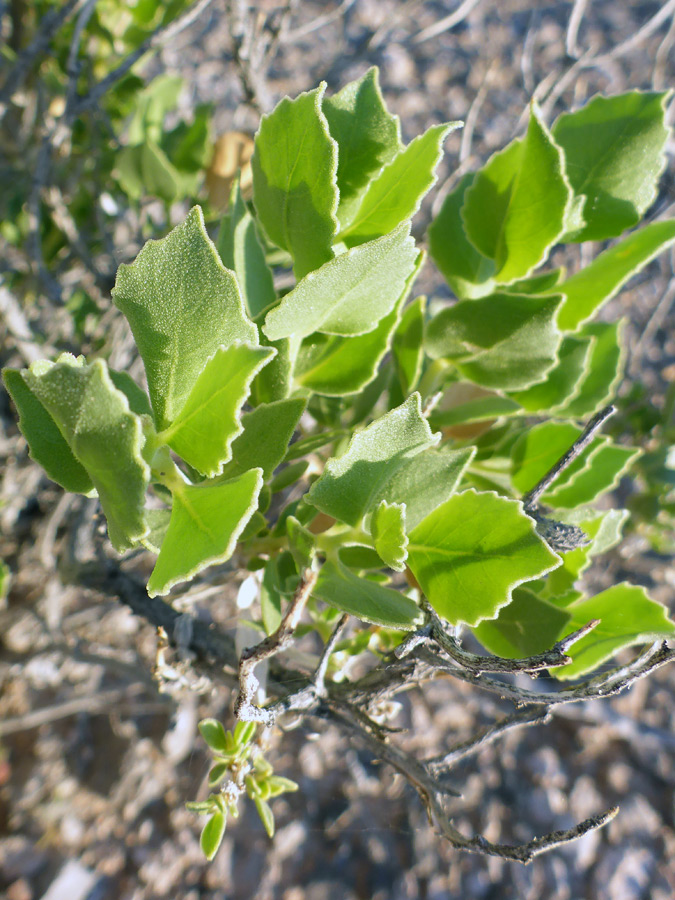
<point>605,369</point>
<point>266,435</point>
<point>595,284</point>
<point>204,429</point>
<point>605,467</point>
<point>562,381</point>
<point>353,483</point>
<point>295,190</point>
<point>182,305</point>
<point>395,195</point>
<point>241,251</point>
<point>615,154</point>
<point>367,135</point>
<point>368,601</point>
<point>206,521</point>
<point>388,529</point>
<point>47,446</point>
<point>103,435</point>
<point>515,209</point>
<point>350,294</point>
<point>466,270</point>
<point>472,551</point>
<point>504,341</point>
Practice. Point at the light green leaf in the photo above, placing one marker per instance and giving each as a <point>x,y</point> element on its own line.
<point>146,171</point>
<point>540,283</point>
<point>605,369</point>
<point>241,251</point>
<point>605,467</point>
<point>395,195</point>
<point>203,431</point>
<point>388,529</point>
<point>139,402</point>
<point>367,135</point>
<point>214,734</point>
<point>158,523</point>
<point>276,379</point>
<point>206,521</point>
<point>490,407</point>
<point>563,381</point>
<point>353,483</point>
<point>338,366</point>
<point>426,480</point>
<point>300,542</point>
<point>538,449</point>
<point>47,446</point>
<point>212,835</point>
<point>294,180</point>
<point>472,551</point>
<point>627,616</point>
<point>360,597</point>
<point>103,435</point>
<point>271,599</point>
<point>527,626</point>
<point>515,209</point>
<point>504,341</point>
<point>615,154</point>
<point>466,270</point>
<point>350,294</point>
<point>408,345</point>
<point>595,284</point>
<point>266,815</point>
<point>267,432</point>
<point>182,305</point>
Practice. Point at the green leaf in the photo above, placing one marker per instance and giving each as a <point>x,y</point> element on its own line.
<point>47,446</point>
<point>203,431</point>
<point>515,209</point>
<point>145,170</point>
<point>538,449</point>
<point>408,345</point>
<point>466,270</point>
<point>562,382</point>
<point>182,306</point>
<point>472,551</point>
<point>540,283</point>
<point>266,815</point>
<point>605,369</point>
<point>505,341</point>
<point>157,521</point>
<point>388,529</point>
<point>294,180</point>
<point>368,601</point>
<point>271,597</point>
<point>267,431</point>
<point>241,251</point>
<point>367,135</point>
<point>139,401</point>
<point>312,442</point>
<point>605,467</point>
<point>276,379</point>
<point>103,435</point>
<point>395,194</point>
<point>350,294</point>
<point>426,480</point>
<point>206,521</point>
<point>527,626</point>
<point>615,154</point>
<point>490,407</point>
<point>288,475</point>
<point>301,542</point>
<point>214,734</point>
<point>353,483</point>
<point>212,835</point>
<point>595,284</point>
<point>627,616</point>
<point>338,366</point>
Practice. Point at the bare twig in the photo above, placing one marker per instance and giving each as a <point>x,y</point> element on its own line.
<point>577,448</point>
<point>577,14</point>
<point>322,668</point>
<point>447,23</point>
<point>317,23</point>
<point>244,708</point>
<point>48,27</point>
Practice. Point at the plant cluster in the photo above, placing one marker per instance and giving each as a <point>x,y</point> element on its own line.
<point>403,462</point>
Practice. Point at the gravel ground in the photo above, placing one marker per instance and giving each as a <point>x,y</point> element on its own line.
<point>95,764</point>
